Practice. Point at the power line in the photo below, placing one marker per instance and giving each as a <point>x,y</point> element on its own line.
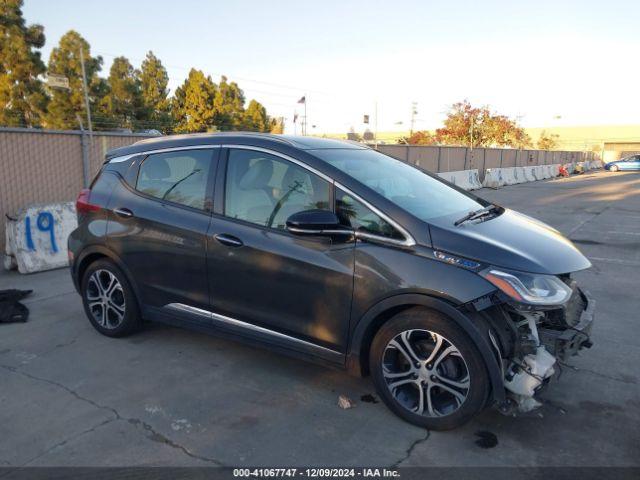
<point>333,97</point>
<point>244,79</point>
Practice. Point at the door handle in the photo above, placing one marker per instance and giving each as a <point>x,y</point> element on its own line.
<point>228,240</point>
<point>123,212</point>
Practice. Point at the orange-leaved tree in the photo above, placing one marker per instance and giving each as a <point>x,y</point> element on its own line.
<point>471,126</point>
<point>422,137</point>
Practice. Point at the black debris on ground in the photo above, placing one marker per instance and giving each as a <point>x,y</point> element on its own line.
<point>486,439</point>
<point>368,398</point>
<point>11,310</point>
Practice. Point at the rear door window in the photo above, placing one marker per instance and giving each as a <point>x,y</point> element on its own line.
<point>179,177</point>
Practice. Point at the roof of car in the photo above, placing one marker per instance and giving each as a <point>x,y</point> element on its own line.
<point>172,141</point>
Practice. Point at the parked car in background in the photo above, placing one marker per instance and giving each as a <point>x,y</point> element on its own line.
<point>628,163</point>
<point>336,253</point>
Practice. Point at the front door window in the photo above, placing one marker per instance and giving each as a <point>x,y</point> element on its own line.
<point>266,190</point>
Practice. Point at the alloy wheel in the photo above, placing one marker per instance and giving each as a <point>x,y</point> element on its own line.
<point>425,373</point>
<point>105,299</point>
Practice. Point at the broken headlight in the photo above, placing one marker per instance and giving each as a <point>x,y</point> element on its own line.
<point>529,288</point>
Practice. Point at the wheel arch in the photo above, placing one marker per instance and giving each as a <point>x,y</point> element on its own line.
<point>97,252</point>
<point>376,316</point>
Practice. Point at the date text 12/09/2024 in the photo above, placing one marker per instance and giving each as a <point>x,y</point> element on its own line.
<point>315,473</point>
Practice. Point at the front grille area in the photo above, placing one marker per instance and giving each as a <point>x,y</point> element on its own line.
<point>569,314</point>
<point>574,307</point>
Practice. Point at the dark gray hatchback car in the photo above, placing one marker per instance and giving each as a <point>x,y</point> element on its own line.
<point>333,252</point>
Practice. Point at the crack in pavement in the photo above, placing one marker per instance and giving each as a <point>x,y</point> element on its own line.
<point>154,435</point>
<point>65,344</point>
<point>410,450</point>
<point>67,440</point>
<point>60,345</point>
<point>60,385</point>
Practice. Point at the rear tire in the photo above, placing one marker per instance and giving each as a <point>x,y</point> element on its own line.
<point>109,301</point>
<point>445,383</point>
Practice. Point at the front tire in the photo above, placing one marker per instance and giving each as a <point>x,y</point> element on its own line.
<point>109,301</point>
<point>614,168</point>
<point>428,371</point>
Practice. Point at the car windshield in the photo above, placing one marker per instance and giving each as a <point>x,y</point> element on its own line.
<point>406,186</point>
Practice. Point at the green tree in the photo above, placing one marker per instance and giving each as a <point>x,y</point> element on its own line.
<point>22,95</point>
<point>193,103</point>
<point>153,82</point>
<point>276,125</point>
<point>256,118</point>
<point>66,105</point>
<point>228,106</point>
<point>123,104</point>
<point>548,141</point>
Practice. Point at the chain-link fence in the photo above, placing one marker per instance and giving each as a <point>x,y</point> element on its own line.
<point>44,166</point>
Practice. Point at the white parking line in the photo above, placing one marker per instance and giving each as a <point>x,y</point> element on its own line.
<point>616,260</point>
<point>624,233</point>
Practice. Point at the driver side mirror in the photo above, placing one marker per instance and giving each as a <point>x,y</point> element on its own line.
<point>316,222</point>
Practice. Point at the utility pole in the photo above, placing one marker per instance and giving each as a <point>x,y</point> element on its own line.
<point>85,153</point>
<point>304,132</point>
<point>303,100</point>
<point>86,93</point>
<point>414,111</point>
<point>473,121</point>
<point>375,127</point>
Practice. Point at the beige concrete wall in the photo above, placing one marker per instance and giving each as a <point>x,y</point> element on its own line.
<point>450,159</point>
<point>426,158</point>
<point>493,158</point>
<point>46,166</point>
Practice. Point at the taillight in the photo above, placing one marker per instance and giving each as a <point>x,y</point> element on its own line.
<point>82,202</point>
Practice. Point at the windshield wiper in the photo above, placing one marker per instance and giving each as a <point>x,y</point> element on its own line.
<point>488,210</point>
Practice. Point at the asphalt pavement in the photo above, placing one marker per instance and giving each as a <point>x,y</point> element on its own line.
<point>69,396</point>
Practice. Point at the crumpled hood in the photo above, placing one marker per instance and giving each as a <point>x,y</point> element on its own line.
<point>511,240</point>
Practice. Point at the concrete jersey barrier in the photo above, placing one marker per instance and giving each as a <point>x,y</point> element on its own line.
<point>467,179</point>
<point>593,164</point>
<point>538,172</point>
<point>36,237</point>
<point>529,174</point>
<point>493,178</point>
<point>545,171</point>
<point>498,177</point>
<point>509,176</point>
<point>519,175</point>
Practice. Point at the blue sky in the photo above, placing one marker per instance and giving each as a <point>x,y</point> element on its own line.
<point>534,60</point>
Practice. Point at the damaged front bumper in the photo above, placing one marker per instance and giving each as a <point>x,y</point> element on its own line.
<point>566,343</point>
<point>539,339</point>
